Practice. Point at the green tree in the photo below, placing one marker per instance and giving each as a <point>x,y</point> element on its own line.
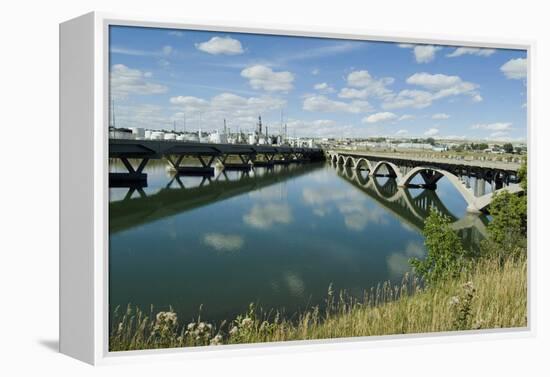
<point>446,256</point>
<point>508,228</point>
<point>522,175</point>
<point>508,148</point>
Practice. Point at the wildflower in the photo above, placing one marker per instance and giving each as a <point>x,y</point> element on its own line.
<point>234,330</point>
<point>454,301</point>
<point>246,322</point>
<point>469,287</point>
<point>216,341</point>
<point>167,317</point>
<point>190,326</point>
<point>477,324</point>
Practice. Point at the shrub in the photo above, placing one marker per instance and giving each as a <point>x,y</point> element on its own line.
<point>446,256</point>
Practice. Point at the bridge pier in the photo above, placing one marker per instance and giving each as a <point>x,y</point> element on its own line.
<point>134,175</point>
<point>245,163</point>
<point>282,160</point>
<point>204,170</point>
<point>430,178</point>
<point>266,162</point>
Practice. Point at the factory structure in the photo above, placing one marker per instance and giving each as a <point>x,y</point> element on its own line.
<point>260,136</point>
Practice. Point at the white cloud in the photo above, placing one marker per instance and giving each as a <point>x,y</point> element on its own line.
<point>190,103</point>
<point>319,52</point>
<point>141,115</point>
<point>223,242</point>
<point>379,117</point>
<point>431,132</point>
<point>241,111</point>
<point>368,86</point>
<point>265,216</point>
<point>498,126</point>
<point>315,71</point>
<point>471,51</point>
<point>262,77</point>
<point>167,50</point>
<point>515,69</point>
<point>406,117</point>
<point>437,86</point>
<point>323,87</point>
<point>176,33</point>
<point>417,99</point>
<point>436,81</point>
<point>402,132</point>
<point>441,116</point>
<point>350,93</point>
<point>134,52</point>
<point>422,53</point>
<point>320,128</point>
<point>477,98</point>
<point>221,45</point>
<point>425,53</point>
<point>499,134</point>
<point>323,104</point>
<point>126,81</point>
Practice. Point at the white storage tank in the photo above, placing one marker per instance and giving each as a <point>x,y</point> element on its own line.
<point>157,135</point>
<point>251,139</point>
<point>191,137</point>
<point>138,132</point>
<point>170,136</point>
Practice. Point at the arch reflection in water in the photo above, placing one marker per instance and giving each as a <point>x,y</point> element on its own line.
<point>414,209</point>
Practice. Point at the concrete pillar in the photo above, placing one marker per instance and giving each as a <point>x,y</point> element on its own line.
<point>479,187</point>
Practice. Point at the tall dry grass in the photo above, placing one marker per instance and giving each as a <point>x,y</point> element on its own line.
<point>491,295</point>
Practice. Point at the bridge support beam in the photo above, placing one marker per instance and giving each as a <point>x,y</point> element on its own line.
<point>204,170</point>
<point>266,162</point>
<point>284,158</point>
<point>243,165</point>
<point>132,177</point>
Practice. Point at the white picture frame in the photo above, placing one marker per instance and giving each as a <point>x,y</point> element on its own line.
<point>84,233</point>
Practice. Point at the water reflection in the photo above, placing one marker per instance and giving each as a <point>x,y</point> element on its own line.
<point>413,205</point>
<point>277,237</point>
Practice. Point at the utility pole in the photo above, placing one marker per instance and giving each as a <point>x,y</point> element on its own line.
<point>113,111</point>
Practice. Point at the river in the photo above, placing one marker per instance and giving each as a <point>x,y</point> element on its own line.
<point>274,237</point>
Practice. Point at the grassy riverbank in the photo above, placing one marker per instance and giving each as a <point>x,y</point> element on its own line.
<point>492,294</point>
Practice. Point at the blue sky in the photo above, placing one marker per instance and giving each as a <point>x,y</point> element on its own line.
<point>323,87</point>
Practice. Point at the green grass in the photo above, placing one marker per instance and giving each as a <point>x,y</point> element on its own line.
<point>491,295</point>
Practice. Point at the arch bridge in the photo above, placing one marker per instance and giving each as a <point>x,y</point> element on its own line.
<point>405,169</point>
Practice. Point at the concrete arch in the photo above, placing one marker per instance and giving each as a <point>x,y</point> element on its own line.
<point>456,182</point>
<point>341,160</point>
<point>393,169</point>
<point>349,161</point>
<point>363,162</point>
<point>429,174</point>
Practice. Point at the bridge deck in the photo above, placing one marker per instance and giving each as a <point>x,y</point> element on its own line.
<point>493,165</point>
<point>156,149</point>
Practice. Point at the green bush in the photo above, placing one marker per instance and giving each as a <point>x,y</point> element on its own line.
<point>446,256</point>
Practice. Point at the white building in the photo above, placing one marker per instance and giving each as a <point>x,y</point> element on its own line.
<point>217,137</point>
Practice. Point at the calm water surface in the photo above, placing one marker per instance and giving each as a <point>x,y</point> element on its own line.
<point>275,237</point>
